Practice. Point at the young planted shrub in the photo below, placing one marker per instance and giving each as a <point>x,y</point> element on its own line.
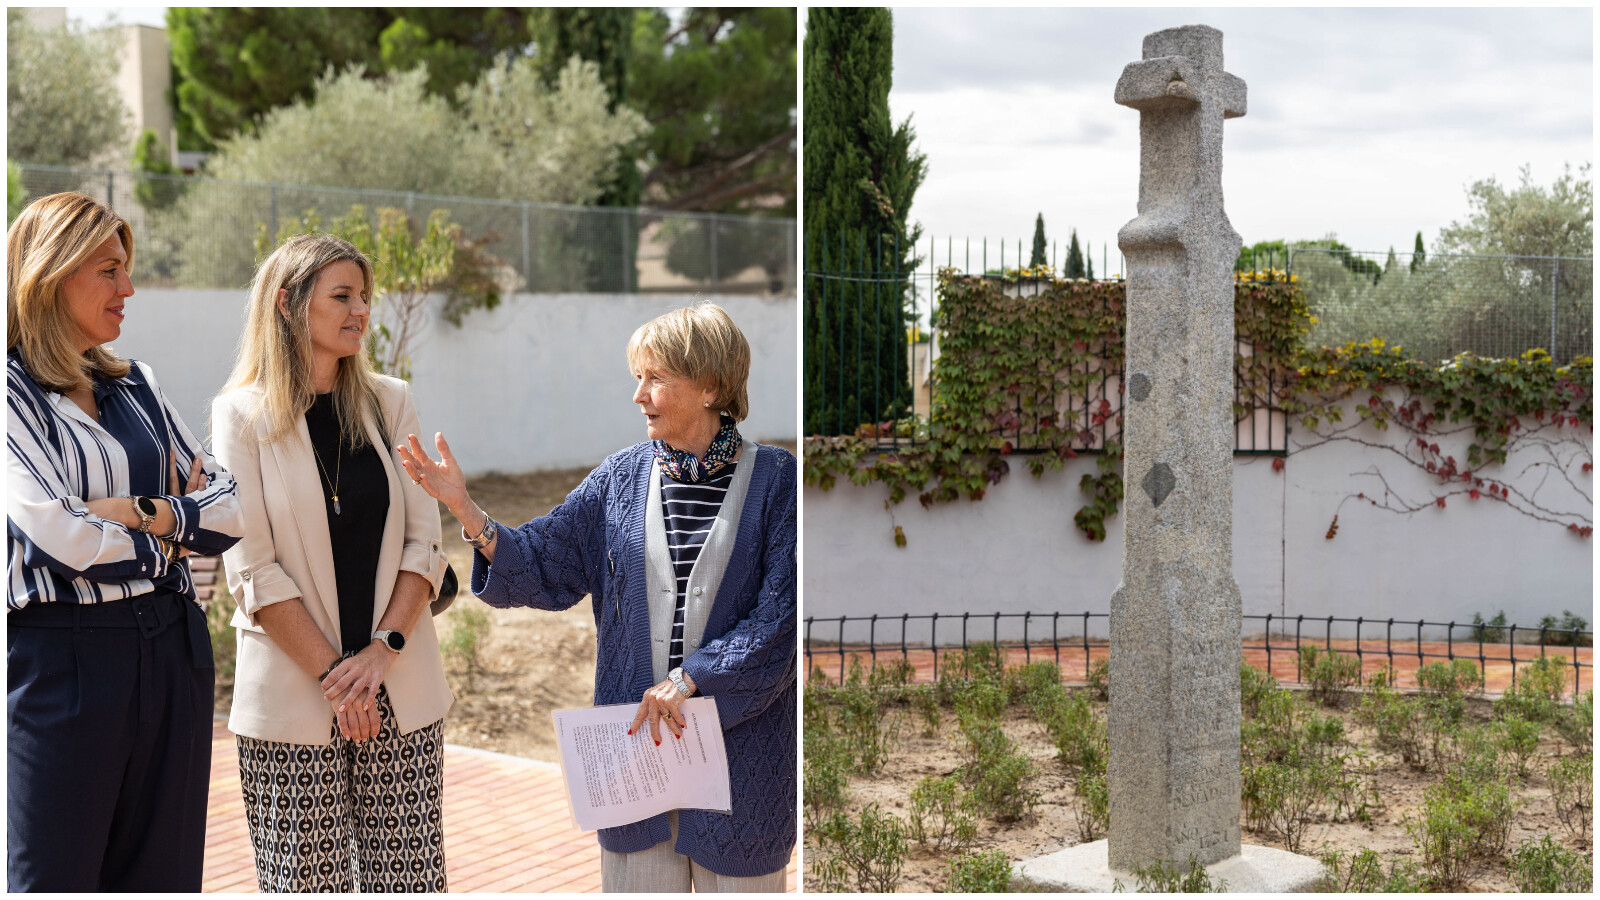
<point>826,774</point>
<point>463,644</point>
<point>1463,823</point>
<point>1330,674</point>
<point>1453,679</point>
<point>941,814</point>
<point>891,676</point>
<point>1100,680</point>
<point>983,699</point>
<point>1572,790</point>
<point>865,855</point>
<point>1538,690</point>
<point>1363,872</point>
<point>1517,740</point>
<point>1279,798</point>
<point>925,700</point>
<point>1546,867</point>
<point>1396,720</point>
<point>1081,748</point>
<point>1255,686</point>
<point>988,872</point>
<point>1575,723</point>
<point>1091,802</point>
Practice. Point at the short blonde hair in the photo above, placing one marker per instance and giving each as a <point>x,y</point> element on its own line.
<point>47,243</point>
<point>702,344</point>
<point>275,351</point>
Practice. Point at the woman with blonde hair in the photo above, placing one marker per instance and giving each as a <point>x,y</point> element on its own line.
<point>109,678</point>
<point>339,693</point>
<point>686,542</point>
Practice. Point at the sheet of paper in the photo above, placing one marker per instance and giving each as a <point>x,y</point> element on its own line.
<point>613,779</point>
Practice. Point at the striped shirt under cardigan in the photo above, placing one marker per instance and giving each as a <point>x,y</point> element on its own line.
<point>688,511</point>
<point>57,457</point>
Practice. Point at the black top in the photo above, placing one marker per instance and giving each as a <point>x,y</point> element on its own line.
<point>689,511</point>
<point>356,529</point>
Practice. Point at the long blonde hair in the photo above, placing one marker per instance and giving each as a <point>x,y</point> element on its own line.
<point>47,243</point>
<point>275,350</point>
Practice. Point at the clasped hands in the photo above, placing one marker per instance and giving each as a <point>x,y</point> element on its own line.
<point>352,689</point>
<point>660,707</point>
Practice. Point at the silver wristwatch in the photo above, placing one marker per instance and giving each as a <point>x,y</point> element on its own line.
<point>391,640</point>
<point>676,676</point>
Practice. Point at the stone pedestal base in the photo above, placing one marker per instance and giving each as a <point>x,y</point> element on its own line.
<point>1082,869</point>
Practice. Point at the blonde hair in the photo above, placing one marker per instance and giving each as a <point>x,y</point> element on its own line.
<point>47,243</point>
<point>702,344</point>
<point>275,350</point>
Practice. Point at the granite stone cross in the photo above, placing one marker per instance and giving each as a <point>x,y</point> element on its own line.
<point>1173,723</point>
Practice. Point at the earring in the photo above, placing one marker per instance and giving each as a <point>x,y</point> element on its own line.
<point>706,404</point>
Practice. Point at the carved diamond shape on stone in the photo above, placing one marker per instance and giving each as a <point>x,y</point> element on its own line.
<point>1139,386</point>
<point>1158,482</point>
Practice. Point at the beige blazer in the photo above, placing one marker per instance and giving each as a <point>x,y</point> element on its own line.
<point>285,553</point>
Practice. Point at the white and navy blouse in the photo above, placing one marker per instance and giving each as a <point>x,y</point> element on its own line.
<point>689,511</point>
<point>57,457</point>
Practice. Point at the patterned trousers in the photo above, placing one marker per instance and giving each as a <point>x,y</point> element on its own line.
<point>348,816</point>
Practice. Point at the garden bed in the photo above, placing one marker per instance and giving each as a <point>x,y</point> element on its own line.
<point>1003,760</point>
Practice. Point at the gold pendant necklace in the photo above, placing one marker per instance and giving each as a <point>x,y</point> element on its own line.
<point>337,467</point>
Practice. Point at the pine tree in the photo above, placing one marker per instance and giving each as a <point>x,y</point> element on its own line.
<point>1389,264</point>
<point>1419,254</point>
<point>1074,257</point>
<point>861,173</point>
<point>1038,258</point>
<point>1088,262</point>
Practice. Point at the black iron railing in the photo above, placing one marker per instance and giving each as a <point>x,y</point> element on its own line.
<point>1047,635</point>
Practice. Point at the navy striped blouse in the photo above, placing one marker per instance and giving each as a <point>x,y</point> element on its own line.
<point>689,510</point>
<point>57,457</point>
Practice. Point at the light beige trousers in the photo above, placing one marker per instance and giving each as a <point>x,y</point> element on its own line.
<point>663,869</point>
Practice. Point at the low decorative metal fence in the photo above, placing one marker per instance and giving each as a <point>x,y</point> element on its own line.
<point>1066,639</point>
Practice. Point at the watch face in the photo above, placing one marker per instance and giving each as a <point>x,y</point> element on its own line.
<point>396,641</point>
<point>146,506</point>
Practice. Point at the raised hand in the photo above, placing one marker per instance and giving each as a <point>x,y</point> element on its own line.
<point>443,480</point>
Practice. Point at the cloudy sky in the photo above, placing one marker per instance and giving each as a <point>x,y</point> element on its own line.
<point>1368,123</point>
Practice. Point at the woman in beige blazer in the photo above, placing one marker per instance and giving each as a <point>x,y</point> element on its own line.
<point>339,693</point>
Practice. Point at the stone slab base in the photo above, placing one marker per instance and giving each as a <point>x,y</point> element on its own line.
<point>1083,869</point>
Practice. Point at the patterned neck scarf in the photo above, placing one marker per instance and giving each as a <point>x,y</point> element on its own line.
<point>684,468</point>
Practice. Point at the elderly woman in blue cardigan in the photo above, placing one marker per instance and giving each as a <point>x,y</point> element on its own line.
<point>687,545</point>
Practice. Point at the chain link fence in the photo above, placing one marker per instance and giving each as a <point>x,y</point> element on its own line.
<point>1435,305</point>
<point>199,233</point>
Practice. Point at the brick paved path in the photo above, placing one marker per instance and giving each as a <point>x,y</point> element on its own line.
<point>506,824</point>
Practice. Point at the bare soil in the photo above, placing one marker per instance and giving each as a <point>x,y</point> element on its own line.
<point>1053,825</point>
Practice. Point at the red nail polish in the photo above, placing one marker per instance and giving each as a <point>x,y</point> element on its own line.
<point>630,732</point>
<point>678,736</point>
<point>658,743</point>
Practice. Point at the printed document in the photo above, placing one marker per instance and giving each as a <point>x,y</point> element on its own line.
<point>614,779</point>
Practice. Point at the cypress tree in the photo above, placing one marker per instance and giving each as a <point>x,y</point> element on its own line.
<point>1088,262</point>
<point>1419,254</point>
<point>1074,257</point>
<point>1038,258</point>
<point>861,174</point>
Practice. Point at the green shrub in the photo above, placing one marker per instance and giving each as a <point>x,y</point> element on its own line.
<point>1473,752</point>
<point>1537,691</point>
<point>1165,878</point>
<point>892,675</point>
<point>941,813</point>
<point>1575,723</point>
<point>1255,686</point>
<point>1561,630</point>
<point>1396,721</point>
<point>1546,867</point>
<point>988,872</point>
<point>985,661</point>
<point>1518,739</point>
<point>1453,679</point>
<point>1363,873</point>
<point>224,637</point>
<point>1491,631</point>
<point>1279,798</point>
<point>869,733</point>
<point>826,773</point>
<point>982,698</point>
<point>1329,673</point>
<point>1463,823</point>
<point>1100,680</point>
<point>865,855</point>
<point>925,700</point>
<point>1004,790</point>
<point>462,646</point>
<point>1572,791</point>
<point>1091,802</point>
<point>1039,686</point>
<point>1353,789</point>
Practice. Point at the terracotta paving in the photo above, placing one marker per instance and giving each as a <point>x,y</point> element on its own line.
<point>506,824</point>
<point>1497,659</point>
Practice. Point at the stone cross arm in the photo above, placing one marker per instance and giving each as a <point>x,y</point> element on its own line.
<point>1182,67</point>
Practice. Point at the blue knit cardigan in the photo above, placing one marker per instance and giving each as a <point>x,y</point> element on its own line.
<point>594,543</point>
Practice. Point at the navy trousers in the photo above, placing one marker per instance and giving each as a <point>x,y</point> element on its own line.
<point>108,745</point>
